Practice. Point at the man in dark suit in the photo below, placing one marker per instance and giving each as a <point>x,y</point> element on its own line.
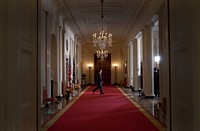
<point>156,82</point>
<point>99,82</point>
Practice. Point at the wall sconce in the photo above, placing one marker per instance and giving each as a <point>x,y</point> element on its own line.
<point>157,60</point>
<point>115,65</point>
<point>90,65</point>
<point>125,67</point>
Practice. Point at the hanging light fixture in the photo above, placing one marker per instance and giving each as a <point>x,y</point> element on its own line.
<point>102,39</point>
<point>102,54</point>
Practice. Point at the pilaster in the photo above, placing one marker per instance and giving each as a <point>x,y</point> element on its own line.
<point>164,53</point>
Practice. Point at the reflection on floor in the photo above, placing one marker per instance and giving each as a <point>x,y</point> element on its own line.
<point>151,105</point>
<point>51,108</point>
<point>49,111</point>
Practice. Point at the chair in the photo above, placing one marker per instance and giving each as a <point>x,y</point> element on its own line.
<point>48,102</point>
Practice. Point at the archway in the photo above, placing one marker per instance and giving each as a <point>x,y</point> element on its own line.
<point>54,70</point>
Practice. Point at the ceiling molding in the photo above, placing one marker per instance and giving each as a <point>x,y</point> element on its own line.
<point>124,18</point>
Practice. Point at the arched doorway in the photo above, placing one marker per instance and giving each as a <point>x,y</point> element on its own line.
<point>54,71</point>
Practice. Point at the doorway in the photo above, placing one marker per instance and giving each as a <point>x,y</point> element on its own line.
<point>105,65</point>
<point>54,85</point>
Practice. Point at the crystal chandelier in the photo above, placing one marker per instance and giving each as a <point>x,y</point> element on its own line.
<point>102,54</point>
<point>104,38</point>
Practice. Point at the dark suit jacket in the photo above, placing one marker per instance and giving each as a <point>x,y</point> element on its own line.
<point>99,79</point>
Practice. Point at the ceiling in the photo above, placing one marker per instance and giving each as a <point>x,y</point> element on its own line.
<point>84,16</point>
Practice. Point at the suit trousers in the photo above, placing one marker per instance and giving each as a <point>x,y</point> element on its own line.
<point>98,87</point>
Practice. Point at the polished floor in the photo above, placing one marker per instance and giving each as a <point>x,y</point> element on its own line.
<point>151,105</point>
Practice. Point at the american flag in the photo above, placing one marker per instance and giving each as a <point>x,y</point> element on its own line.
<point>69,73</point>
<point>74,73</point>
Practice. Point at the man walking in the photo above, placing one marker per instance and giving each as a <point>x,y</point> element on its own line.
<point>99,82</point>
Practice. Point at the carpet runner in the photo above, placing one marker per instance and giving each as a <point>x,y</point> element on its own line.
<point>112,111</point>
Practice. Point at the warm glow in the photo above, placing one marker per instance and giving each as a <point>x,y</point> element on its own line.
<point>115,65</point>
<point>102,54</point>
<point>104,38</point>
<point>90,65</point>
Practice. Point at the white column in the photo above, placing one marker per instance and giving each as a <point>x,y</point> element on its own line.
<point>139,58</point>
<point>130,63</point>
<point>147,61</point>
<point>128,66</point>
<point>135,65</point>
<point>60,63</point>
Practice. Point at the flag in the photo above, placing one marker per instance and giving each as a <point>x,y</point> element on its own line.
<point>74,73</point>
<point>69,72</point>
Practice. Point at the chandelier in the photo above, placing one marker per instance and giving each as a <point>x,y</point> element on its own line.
<point>102,54</point>
<point>103,38</point>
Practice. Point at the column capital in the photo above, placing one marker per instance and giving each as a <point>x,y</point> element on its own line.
<point>131,43</point>
<point>148,26</point>
<point>134,40</point>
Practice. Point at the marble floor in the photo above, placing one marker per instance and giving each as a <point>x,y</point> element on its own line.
<point>48,111</point>
<point>150,104</point>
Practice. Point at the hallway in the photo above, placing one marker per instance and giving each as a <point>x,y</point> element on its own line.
<point>150,106</point>
<point>51,48</point>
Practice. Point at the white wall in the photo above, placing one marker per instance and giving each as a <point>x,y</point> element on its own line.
<point>52,24</point>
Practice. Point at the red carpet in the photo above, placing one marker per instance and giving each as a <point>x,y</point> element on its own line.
<point>111,111</point>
